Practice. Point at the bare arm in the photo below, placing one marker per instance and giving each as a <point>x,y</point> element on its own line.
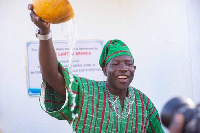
<point>47,57</point>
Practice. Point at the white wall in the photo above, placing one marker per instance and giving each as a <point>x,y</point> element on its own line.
<point>194,47</point>
<point>157,32</point>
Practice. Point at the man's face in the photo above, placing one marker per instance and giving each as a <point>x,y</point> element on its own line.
<point>120,72</point>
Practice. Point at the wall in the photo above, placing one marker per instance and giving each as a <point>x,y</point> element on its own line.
<point>194,50</point>
<point>157,32</point>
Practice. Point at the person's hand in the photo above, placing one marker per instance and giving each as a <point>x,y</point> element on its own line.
<point>45,26</point>
<point>177,124</point>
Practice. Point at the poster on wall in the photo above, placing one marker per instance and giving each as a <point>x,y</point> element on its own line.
<point>84,61</point>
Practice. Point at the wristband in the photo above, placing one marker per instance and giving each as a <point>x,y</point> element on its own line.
<point>42,37</point>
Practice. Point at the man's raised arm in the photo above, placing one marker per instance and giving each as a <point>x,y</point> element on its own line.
<point>47,56</point>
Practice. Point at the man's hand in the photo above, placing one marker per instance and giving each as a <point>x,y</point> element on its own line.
<point>177,124</point>
<point>44,26</point>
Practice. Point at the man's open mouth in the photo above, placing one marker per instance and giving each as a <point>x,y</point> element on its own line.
<point>122,77</point>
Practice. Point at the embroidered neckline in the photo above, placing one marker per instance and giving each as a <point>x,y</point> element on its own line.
<point>113,103</point>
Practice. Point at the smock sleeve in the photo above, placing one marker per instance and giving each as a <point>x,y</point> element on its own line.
<point>154,120</point>
<point>56,106</point>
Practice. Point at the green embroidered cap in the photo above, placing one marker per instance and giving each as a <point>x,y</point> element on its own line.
<point>111,49</point>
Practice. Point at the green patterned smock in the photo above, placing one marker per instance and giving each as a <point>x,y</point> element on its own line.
<point>90,108</point>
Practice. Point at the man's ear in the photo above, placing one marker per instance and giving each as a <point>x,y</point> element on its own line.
<point>104,70</point>
<point>134,68</point>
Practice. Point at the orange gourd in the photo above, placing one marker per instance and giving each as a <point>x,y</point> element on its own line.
<point>53,11</point>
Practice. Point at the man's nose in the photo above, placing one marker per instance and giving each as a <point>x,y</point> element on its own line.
<point>122,67</point>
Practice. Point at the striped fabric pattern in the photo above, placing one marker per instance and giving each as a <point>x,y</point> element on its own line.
<point>98,111</point>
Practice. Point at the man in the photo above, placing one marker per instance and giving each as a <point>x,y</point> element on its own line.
<point>95,106</point>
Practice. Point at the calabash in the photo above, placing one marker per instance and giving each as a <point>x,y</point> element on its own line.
<point>53,11</point>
